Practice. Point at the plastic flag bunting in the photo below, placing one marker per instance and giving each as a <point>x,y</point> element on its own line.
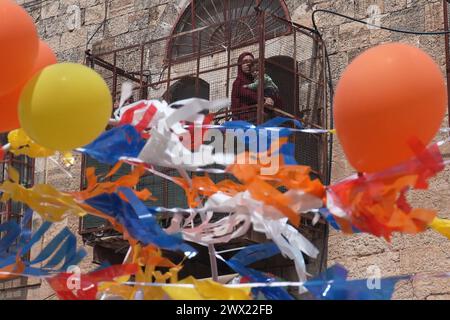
<point>123,141</point>
<point>442,226</point>
<point>333,285</point>
<point>262,137</point>
<point>73,286</point>
<point>250,255</point>
<point>137,220</point>
<point>376,203</point>
<point>60,251</point>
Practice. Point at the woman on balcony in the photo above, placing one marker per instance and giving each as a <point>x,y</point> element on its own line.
<point>243,98</point>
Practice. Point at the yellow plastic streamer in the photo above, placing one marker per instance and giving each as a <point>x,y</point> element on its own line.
<point>442,226</point>
<point>21,144</point>
<point>206,290</point>
<point>44,199</point>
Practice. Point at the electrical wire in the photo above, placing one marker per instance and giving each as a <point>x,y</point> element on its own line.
<point>330,81</point>
<point>425,33</point>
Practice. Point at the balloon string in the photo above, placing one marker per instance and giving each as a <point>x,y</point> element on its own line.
<point>285,283</point>
<point>416,277</point>
<point>115,122</point>
<point>137,161</point>
<point>311,131</point>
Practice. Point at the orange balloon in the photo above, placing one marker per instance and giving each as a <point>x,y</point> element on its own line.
<point>9,118</point>
<point>388,96</point>
<point>18,45</point>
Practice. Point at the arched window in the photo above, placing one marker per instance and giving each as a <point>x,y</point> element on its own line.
<point>186,88</point>
<point>223,24</point>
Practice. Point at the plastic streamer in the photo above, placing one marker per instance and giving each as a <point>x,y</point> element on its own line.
<point>123,141</point>
<point>44,199</point>
<point>95,187</point>
<point>442,226</point>
<point>21,144</point>
<point>61,250</point>
<point>333,285</point>
<point>69,286</point>
<point>136,218</point>
<point>152,133</point>
<point>376,203</point>
<point>251,254</point>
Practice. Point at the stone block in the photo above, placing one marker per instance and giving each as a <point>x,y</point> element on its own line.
<point>358,267</point>
<point>95,14</point>
<point>116,26</point>
<point>77,38</point>
<point>120,8</point>
<point>357,245</point>
<point>419,259</point>
<point>353,35</point>
<point>391,6</point>
<point>49,9</point>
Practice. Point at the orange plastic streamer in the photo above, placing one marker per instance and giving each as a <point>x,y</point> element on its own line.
<point>376,203</point>
<point>95,188</point>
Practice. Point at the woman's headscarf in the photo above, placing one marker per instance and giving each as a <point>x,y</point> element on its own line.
<point>242,76</point>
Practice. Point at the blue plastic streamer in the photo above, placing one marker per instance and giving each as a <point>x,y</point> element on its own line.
<point>26,233</point>
<point>250,255</point>
<point>333,285</point>
<point>122,141</point>
<point>255,253</point>
<point>263,135</point>
<point>287,151</point>
<point>140,223</point>
<point>330,218</point>
<point>272,123</point>
<point>63,247</point>
<point>12,230</point>
<point>65,240</point>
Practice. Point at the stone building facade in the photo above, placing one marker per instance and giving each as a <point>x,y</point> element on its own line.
<point>72,26</point>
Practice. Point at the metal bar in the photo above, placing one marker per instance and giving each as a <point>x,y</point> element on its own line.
<point>82,179</point>
<point>262,56</point>
<point>328,139</point>
<point>296,85</point>
<point>311,74</point>
<point>114,93</point>
<point>102,63</point>
<point>213,262</point>
<point>165,193</point>
<point>141,73</point>
<point>197,80</point>
<point>296,80</point>
<point>227,17</point>
<point>194,25</point>
<point>169,70</point>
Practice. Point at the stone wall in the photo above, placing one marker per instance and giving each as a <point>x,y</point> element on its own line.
<point>427,252</point>
<point>72,26</point>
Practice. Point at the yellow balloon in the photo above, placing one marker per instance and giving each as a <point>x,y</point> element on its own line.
<point>65,106</point>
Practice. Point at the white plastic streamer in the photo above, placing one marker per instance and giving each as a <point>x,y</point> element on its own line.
<point>246,211</point>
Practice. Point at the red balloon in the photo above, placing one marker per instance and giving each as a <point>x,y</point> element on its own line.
<point>19,44</point>
<point>9,118</point>
<point>388,97</point>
